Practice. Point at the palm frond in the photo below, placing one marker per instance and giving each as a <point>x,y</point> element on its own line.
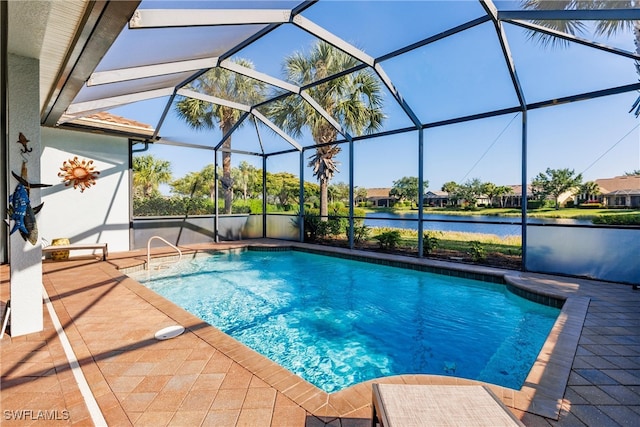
<point>323,162</point>
<point>636,107</point>
<point>220,83</point>
<point>565,26</point>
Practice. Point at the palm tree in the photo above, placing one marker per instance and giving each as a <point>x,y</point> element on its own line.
<point>354,100</point>
<point>360,194</point>
<point>503,191</point>
<point>199,114</point>
<point>148,174</point>
<point>452,189</point>
<point>606,28</point>
<point>589,190</point>
<point>246,176</point>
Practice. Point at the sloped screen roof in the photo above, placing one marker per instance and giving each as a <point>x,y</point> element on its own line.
<point>435,62</point>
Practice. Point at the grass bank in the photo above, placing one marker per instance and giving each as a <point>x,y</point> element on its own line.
<point>485,249</point>
<point>455,240</point>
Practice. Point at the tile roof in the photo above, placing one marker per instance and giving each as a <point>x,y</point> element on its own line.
<point>378,192</point>
<point>111,123</point>
<point>619,184</point>
<point>112,118</point>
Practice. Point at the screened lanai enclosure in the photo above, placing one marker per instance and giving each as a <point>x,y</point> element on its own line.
<point>429,128</point>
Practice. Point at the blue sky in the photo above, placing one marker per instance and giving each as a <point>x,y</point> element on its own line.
<point>463,74</point>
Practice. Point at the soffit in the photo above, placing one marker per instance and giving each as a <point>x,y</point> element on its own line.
<point>64,21</point>
<point>44,30</point>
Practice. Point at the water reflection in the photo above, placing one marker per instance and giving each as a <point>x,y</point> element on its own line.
<point>500,226</point>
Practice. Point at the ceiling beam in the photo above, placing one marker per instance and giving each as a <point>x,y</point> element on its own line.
<point>316,30</point>
<point>332,39</point>
<point>87,107</point>
<point>167,18</point>
<point>571,38</point>
<point>386,80</point>
<point>276,129</point>
<point>492,12</point>
<point>314,104</point>
<point>585,96</point>
<point>572,15</point>
<point>214,100</point>
<point>134,73</point>
<point>434,38</point>
<point>256,75</point>
<point>235,126</point>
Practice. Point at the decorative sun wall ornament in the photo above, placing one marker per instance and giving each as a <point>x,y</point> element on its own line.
<point>79,173</point>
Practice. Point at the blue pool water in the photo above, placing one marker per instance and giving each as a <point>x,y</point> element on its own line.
<point>338,322</point>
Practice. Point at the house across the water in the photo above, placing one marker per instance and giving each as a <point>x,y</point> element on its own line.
<point>621,191</point>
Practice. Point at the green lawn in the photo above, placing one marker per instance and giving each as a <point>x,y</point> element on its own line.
<point>500,252</point>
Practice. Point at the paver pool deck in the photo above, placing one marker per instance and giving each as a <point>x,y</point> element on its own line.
<point>588,372</point>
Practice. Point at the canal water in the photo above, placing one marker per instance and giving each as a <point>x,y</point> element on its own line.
<point>500,226</point>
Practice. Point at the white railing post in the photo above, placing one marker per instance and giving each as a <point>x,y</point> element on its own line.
<point>146,267</point>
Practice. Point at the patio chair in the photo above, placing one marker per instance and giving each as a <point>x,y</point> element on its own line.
<point>402,405</point>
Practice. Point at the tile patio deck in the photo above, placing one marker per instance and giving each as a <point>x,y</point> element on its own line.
<point>588,372</point>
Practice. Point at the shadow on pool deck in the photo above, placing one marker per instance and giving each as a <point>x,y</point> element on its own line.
<point>588,371</point>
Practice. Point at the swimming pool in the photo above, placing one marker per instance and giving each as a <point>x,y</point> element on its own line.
<point>338,322</point>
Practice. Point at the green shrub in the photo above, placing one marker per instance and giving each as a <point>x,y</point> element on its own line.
<point>623,219</point>
<point>172,206</point>
<point>247,206</point>
<point>430,242</point>
<point>590,205</point>
<point>334,225</point>
<point>360,233</point>
<point>180,206</point>
<point>240,209</point>
<point>324,229</point>
<point>535,204</point>
<point>312,227</point>
<point>389,239</point>
<point>476,251</point>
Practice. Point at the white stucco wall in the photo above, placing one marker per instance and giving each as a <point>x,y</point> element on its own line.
<point>100,214</point>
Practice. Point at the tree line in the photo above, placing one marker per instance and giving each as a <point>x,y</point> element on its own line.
<point>548,185</point>
<point>196,191</point>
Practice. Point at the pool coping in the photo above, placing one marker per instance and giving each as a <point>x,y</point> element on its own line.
<point>541,394</point>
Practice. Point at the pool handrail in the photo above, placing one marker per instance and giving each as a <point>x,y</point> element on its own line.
<point>147,265</point>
